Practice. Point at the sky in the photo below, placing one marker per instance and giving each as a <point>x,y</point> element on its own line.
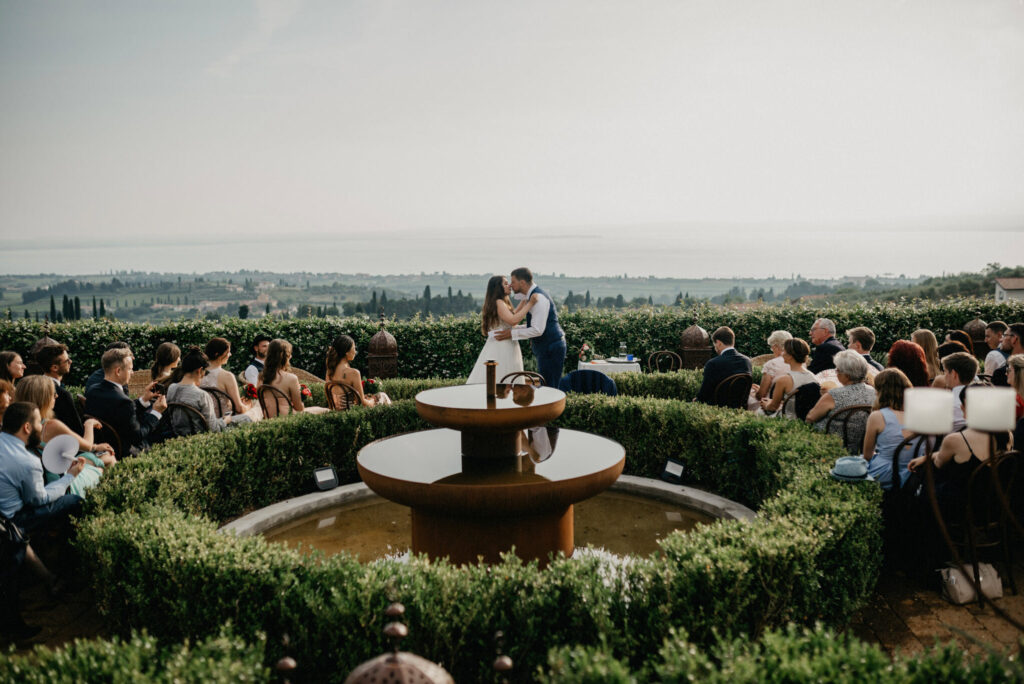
<point>170,122</point>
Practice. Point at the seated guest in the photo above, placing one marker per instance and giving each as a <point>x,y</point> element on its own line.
<point>884,430</point>
<point>963,338</point>
<point>132,420</point>
<point>12,368</point>
<point>1013,343</point>
<point>776,365</point>
<point>861,340</point>
<point>38,391</point>
<point>945,349</point>
<point>166,359</point>
<point>823,337</point>
<point>909,357</point>
<point>187,391</point>
<point>32,366</point>
<point>339,369</point>
<point>727,362</point>
<point>277,374</point>
<point>926,340</point>
<point>259,346</point>
<point>961,370</point>
<point>851,370</point>
<point>96,377</point>
<point>24,498</point>
<point>6,396</point>
<point>218,351</point>
<point>55,362</point>
<point>996,356</point>
<point>1015,377</point>
<point>794,353</point>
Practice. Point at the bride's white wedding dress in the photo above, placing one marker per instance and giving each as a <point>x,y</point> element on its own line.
<point>505,352</point>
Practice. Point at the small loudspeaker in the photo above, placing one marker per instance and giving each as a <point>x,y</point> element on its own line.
<point>325,478</point>
<point>673,471</point>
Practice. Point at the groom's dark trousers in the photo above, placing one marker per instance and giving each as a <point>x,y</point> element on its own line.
<point>549,349</point>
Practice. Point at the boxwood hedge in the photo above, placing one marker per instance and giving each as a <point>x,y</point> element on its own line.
<point>447,347</point>
<point>150,538</point>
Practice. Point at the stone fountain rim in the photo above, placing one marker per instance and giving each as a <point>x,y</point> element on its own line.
<point>271,516</point>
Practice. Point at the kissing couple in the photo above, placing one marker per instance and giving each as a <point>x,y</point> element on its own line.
<point>500,323</point>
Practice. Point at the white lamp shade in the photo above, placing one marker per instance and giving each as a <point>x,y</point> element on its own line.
<point>991,409</point>
<point>928,411</point>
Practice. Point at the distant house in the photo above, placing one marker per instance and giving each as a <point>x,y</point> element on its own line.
<point>1009,288</point>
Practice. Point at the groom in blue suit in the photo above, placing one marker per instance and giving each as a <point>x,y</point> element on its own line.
<point>542,328</point>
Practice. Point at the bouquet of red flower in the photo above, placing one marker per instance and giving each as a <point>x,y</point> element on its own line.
<point>250,390</point>
<point>306,394</point>
<point>370,386</point>
<point>586,352</point>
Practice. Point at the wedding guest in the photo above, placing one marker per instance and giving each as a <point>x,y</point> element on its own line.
<point>187,391</point>
<point>851,370</point>
<point>340,355</point>
<point>259,347</point>
<point>32,366</point>
<point>55,363</point>
<point>963,338</point>
<point>166,359</point>
<point>884,429</point>
<point>727,362</point>
<point>38,391</point>
<point>861,339</point>
<point>1015,378</point>
<point>826,346</point>
<point>6,396</point>
<point>109,401</point>
<point>996,356</point>
<point>909,357</point>
<point>96,377</point>
<point>775,366</point>
<point>926,340</point>
<point>218,351</point>
<point>12,368</point>
<point>794,354</point>
<point>961,370</point>
<point>1013,343</point>
<point>277,374</point>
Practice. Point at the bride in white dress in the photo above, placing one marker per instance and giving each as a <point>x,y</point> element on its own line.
<point>497,314</point>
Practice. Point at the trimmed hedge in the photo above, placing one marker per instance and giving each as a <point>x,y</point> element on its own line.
<point>447,347</point>
<point>158,562</point>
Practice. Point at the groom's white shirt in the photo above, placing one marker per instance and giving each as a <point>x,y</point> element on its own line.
<point>538,317</point>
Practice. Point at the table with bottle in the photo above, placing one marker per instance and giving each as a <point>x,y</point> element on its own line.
<point>623,363</point>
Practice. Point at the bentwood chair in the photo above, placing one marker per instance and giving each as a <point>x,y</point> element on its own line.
<point>732,392</point>
<point>529,378</point>
<point>664,361</point>
<point>850,424</point>
<point>272,399</point>
<point>340,397</point>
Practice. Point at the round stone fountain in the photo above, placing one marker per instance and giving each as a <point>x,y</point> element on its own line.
<point>493,477</point>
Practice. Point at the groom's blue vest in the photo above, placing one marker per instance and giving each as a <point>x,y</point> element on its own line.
<point>552,330</point>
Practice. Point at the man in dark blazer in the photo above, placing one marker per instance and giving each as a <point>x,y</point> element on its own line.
<point>727,362</point>
<point>826,346</point>
<point>55,362</point>
<point>132,420</point>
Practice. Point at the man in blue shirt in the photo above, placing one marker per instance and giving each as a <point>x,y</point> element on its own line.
<point>28,502</point>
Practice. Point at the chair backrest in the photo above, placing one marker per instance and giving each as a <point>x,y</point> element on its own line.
<point>340,397</point>
<point>181,420</point>
<point>802,400</point>
<point>271,400</point>
<point>220,400</point>
<point>850,423</point>
<point>528,378</point>
<point>985,512</point>
<point>106,433</point>
<point>732,392</point>
<point>80,405</point>
<point>664,361</point>
<point>905,451</point>
<point>588,382</point>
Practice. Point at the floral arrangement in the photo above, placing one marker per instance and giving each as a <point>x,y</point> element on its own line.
<point>586,352</point>
<point>370,386</point>
<point>250,390</point>
<point>306,394</point>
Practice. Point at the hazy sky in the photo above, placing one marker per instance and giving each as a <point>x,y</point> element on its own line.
<point>176,120</point>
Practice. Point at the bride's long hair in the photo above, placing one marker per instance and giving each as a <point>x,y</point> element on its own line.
<point>489,313</point>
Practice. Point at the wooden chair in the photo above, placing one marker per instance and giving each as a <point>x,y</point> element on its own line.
<point>194,422</point>
<point>762,359</point>
<point>588,382</point>
<point>106,433</point>
<point>529,378</point>
<point>340,397</point>
<point>659,359</point>
<point>220,400</point>
<point>732,392</point>
<point>852,429</point>
<point>802,400</point>
<point>276,396</point>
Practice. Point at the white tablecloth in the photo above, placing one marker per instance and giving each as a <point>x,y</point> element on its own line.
<point>610,368</point>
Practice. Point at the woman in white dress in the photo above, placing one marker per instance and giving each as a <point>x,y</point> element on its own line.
<point>497,314</point>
